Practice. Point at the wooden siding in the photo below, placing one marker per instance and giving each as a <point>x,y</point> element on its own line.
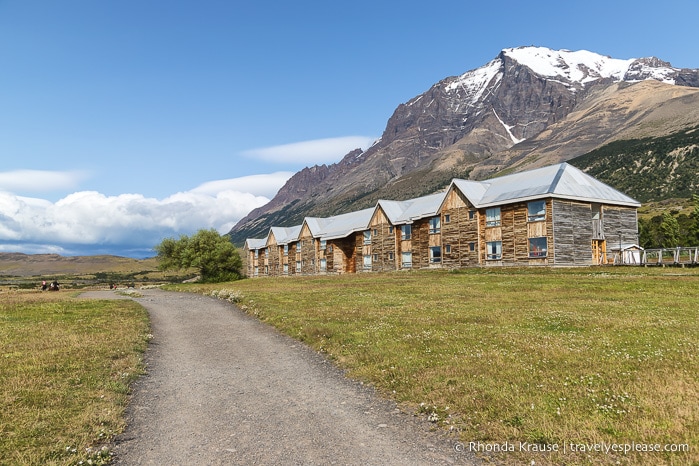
<point>343,258</point>
<point>420,243</point>
<point>383,243</point>
<point>285,260</point>
<point>307,253</point>
<point>620,224</point>
<point>459,232</point>
<point>572,232</point>
<point>359,249</point>
<point>273,258</point>
<point>251,262</point>
<point>291,258</point>
<point>514,232</point>
<point>575,228</point>
<point>321,255</point>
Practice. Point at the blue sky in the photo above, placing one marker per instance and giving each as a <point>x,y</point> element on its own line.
<point>125,122</point>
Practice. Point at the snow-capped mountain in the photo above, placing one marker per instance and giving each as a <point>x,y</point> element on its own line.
<point>526,102</point>
<point>582,67</point>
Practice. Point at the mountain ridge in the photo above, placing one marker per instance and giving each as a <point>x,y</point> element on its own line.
<point>527,107</point>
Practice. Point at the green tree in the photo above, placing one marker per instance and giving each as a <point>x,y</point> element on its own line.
<point>645,233</point>
<point>212,254</point>
<point>669,231</point>
<point>694,225</point>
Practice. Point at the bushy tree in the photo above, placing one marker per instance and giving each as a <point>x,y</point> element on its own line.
<point>212,254</point>
<point>694,225</point>
<point>669,231</point>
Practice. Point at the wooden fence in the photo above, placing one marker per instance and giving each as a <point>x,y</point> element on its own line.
<point>670,256</point>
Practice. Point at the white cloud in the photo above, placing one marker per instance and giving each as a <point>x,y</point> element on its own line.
<point>88,221</point>
<point>260,185</point>
<point>40,180</point>
<point>313,152</point>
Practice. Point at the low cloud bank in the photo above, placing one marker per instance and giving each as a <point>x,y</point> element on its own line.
<point>88,222</point>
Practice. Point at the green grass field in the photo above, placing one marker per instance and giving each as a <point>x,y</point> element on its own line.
<point>571,358</point>
<point>65,369</point>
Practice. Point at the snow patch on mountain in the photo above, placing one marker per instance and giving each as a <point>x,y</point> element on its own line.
<point>475,82</point>
<point>508,128</point>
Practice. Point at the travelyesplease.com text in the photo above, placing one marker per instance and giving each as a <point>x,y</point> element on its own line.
<point>572,447</point>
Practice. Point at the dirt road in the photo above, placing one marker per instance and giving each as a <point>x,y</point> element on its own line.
<point>223,388</point>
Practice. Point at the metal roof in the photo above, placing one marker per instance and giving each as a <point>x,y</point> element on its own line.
<point>316,224</point>
<point>285,235</point>
<point>561,181</point>
<point>255,243</point>
<point>401,212</point>
<point>343,225</point>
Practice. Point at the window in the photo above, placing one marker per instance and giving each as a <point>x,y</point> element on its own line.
<point>536,211</point>
<point>492,217</point>
<point>367,262</point>
<point>538,247</point>
<point>323,244</point>
<point>435,225</point>
<point>447,249</point>
<point>375,232</point>
<point>298,266</point>
<point>323,265</point>
<point>471,214</point>
<point>257,253</point>
<point>390,256</point>
<point>471,247</point>
<point>367,237</point>
<point>298,246</point>
<point>390,229</point>
<point>435,254</point>
<point>406,260</point>
<point>406,232</point>
<point>330,249</point>
<point>286,249</point>
<point>286,269</point>
<point>494,250</point>
<point>447,218</point>
<point>257,271</point>
<point>376,257</point>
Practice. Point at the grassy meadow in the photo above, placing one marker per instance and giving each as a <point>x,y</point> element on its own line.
<point>65,369</point>
<point>573,359</point>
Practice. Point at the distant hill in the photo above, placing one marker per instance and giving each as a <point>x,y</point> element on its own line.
<point>528,107</point>
<point>648,169</point>
<point>50,265</point>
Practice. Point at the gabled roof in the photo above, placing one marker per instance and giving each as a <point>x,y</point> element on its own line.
<point>285,235</point>
<point>560,181</point>
<point>255,243</point>
<point>317,224</point>
<point>340,226</point>
<point>401,212</point>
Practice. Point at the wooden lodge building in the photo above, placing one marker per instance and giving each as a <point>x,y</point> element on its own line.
<point>552,216</point>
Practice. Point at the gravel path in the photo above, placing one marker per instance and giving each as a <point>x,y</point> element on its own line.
<point>224,388</point>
